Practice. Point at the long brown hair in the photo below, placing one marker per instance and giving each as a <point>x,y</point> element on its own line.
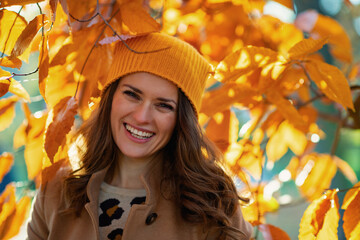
<point>192,177</point>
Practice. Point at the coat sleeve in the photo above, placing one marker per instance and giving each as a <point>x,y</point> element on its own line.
<point>37,228</point>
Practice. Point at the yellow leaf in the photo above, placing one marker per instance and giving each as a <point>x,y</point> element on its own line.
<point>285,137</point>
<point>33,152</point>
<point>20,215</point>
<point>272,232</point>
<point>43,64</point>
<point>306,47</point>
<point>34,155</point>
<point>64,114</point>
<point>20,135</point>
<point>6,162</point>
<point>17,89</point>
<point>244,155</point>
<point>331,81</point>
<point>7,111</point>
<point>285,107</point>
<point>351,218</point>
<point>11,25</point>
<point>315,174</point>
<point>243,61</point>
<point>320,219</point>
<point>346,169</point>
<point>28,35</point>
<point>8,208</point>
<point>350,195</point>
<point>339,41</point>
<point>276,147</point>
<point>7,3</point>
<point>222,128</point>
<point>135,17</point>
<point>11,62</point>
<point>222,98</point>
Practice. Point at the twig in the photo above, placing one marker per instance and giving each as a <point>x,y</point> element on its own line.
<point>123,41</point>
<point>85,20</point>
<point>92,48</point>
<point>25,74</point>
<point>343,190</point>
<point>337,136</point>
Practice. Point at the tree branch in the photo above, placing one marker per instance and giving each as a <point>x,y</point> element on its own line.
<point>123,41</point>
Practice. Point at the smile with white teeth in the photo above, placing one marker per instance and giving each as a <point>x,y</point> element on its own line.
<point>137,133</point>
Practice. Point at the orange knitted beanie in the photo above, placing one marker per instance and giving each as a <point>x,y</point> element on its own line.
<point>164,56</point>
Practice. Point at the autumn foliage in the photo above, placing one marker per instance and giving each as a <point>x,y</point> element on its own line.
<point>262,66</point>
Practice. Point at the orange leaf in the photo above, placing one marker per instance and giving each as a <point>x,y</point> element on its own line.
<point>7,3</point>
<point>320,26</point>
<point>245,155</point>
<point>6,161</point>
<point>43,64</point>
<point>285,107</point>
<point>20,135</point>
<point>276,147</point>
<point>17,89</point>
<point>352,218</point>
<point>4,82</point>
<point>320,219</point>
<point>331,81</point>
<point>8,208</point>
<point>11,25</point>
<point>315,174</point>
<point>64,115</point>
<point>137,19</point>
<point>220,99</point>
<point>350,195</point>
<point>11,62</point>
<point>53,7</point>
<point>306,47</point>
<point>28,34</point>
<point>271,232</point>
<point>49,172</point>
<point>243,61</point>
<point>80,8</point>
<point>18,217</point>
<point>285,137</point>
<point>34,143</point>
<point>7,111</point>
<point>218,129</point>
<point>346,169</point>
<point>4,86</point>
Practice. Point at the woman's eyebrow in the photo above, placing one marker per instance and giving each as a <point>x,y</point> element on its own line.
<point>140,92</point>
<point>133,88</point>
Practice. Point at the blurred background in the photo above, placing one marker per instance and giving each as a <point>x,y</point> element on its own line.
<point>289,214</point>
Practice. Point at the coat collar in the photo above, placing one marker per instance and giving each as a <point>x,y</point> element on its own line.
<point>151,181</point>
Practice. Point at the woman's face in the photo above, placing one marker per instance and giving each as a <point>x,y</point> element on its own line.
<point>143,114</point>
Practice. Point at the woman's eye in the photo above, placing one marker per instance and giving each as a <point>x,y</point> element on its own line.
<point>131,94</point>
<point>166,106</point>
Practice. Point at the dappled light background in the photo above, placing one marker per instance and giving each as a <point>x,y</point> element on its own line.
<point>270,144</point>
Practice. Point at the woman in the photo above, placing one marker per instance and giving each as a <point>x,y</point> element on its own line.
<point>147,171</point>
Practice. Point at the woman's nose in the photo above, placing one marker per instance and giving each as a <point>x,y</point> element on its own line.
<point>142,113</point>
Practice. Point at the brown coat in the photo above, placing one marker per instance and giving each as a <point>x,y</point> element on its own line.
<point>157,219</point>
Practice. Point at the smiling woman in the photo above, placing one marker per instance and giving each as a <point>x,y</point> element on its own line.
<point>147,171</point>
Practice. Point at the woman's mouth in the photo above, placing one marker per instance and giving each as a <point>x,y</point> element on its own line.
<point>139,134</point>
